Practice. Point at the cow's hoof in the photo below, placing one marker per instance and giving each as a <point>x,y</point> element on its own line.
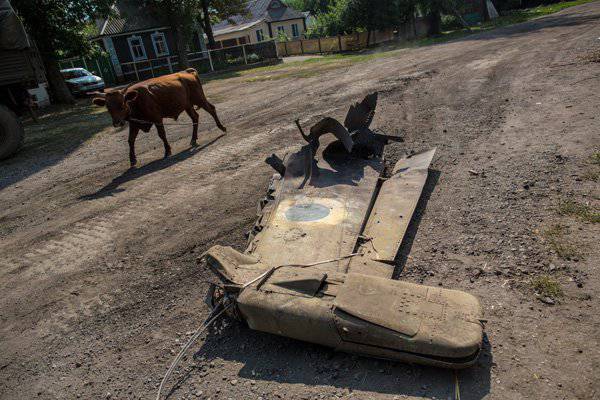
<point>193,143</point>
<point>223,128</point>
<point>168,154</point>
<point>132,164</point>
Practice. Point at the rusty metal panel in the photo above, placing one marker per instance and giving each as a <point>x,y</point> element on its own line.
<point>322,219</point>
<point>391,215</point>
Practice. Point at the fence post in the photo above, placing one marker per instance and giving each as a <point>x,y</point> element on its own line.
<point>301,46</point>
<point>244,51</point>
<point>137,76</point>
<point>170,65</point>
<point>152,68</point>
<point>72,64</point>
<point>285,46</point>
<point>212,68</point>
<point>99,69</point>
<point>320,50</point>
<point>340,43</point>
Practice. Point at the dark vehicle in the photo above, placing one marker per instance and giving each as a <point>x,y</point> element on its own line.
<point>82,81</point>
<point>20,69</point>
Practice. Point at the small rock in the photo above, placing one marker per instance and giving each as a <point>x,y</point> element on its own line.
<point>547,300</point>
<point>233,382</point>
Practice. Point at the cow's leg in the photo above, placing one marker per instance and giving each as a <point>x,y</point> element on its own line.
<point>133,132</point>
<point>194,116</point>
<point>163,135</point>
<point>212,111</point>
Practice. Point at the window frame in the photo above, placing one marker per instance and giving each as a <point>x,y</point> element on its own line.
<point>130,39</point>
<point>260,36</point>
<point>156,35</point>
<point>295,30</point>
<point>281,29</point>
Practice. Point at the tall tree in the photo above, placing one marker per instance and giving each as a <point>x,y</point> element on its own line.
<point>344,16</point>
<point>313,6</point>
<point>214,11</point>
<point>181,15</point>
<point>58,29</point>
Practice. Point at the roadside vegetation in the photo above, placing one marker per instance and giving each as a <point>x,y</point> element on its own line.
<point>559,243</point>
<point>582,211</point>
<point>546,286</point>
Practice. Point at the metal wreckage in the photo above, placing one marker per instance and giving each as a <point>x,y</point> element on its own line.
<point>320,258</point>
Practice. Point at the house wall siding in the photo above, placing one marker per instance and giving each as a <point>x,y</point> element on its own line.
<point>251,32</point>
<point>287,26</point>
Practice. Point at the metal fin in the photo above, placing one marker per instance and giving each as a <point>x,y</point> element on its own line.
<point>331,125</point>
<point>276,163</point>
<point>360,115</point>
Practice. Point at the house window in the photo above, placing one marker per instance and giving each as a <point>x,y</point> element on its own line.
<point>160,44</point>
<point>281,29</point>
<point>295,31</point>
<point>260,35</point>
<point>136,46</point>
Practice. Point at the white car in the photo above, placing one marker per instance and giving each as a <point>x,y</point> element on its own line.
<point>81,81</point>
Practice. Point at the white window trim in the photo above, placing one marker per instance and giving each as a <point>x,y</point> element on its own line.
<point>129,40</point>
<point>297,30</point>
<point>156,35</point>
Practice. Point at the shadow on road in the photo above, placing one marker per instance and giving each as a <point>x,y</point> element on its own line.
<point>134,173</point>
<point>266,357</point>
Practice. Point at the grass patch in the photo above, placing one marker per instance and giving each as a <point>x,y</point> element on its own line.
<point>595,158</point>
<point>582,211</point>
<point>557,241</point>
<point>590,175</point>
<point>546,286</point>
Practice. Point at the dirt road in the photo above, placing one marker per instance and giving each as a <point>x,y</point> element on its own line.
<point>98,273</point>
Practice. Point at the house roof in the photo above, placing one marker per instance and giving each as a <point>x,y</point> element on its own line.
<point>258,10</point>
<point>128,16</point>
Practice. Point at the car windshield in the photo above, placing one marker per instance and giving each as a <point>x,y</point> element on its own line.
<point>76,73</point>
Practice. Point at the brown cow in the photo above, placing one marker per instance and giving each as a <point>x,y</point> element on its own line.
<point>146,103</point>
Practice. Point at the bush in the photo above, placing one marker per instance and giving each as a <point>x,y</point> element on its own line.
<point>253,58</point>
<point>450,23</point>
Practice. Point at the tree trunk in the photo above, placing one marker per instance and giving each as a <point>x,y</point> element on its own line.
<point>484,11</point>
<point>212,44</point>
<point>182,53</point>
<point>435,23</point>
<point>58,88</point>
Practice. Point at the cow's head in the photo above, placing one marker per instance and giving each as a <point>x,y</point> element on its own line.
<point>118,103</point>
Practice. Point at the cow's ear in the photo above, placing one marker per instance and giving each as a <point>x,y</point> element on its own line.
<point>99,101</point>
<point>131,96</point>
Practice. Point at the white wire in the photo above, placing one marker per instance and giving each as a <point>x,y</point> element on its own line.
<point>194,337</point>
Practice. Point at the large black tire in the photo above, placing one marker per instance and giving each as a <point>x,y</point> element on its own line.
<point>11,133</point>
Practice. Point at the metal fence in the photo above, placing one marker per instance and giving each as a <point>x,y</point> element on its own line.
<point>99,65</point>
<point>203,61</point>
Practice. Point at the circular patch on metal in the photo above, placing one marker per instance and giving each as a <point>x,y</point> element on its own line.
<point>307,212</point>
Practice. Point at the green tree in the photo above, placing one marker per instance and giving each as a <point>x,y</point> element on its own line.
<point>214,11</point>
<point>59,30</point>
<point>345,16</point>
<point>181,16</point>
<point>315,7</point>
